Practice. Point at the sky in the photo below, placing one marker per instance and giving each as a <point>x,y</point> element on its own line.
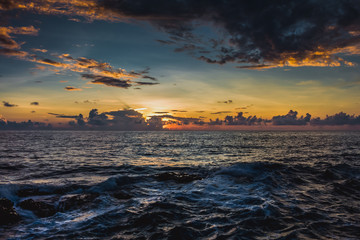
<point>181,64</point>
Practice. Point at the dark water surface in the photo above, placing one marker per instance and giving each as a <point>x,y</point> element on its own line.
<point>182,185</point>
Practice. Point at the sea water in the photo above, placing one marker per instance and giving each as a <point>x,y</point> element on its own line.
<point>183,185</point>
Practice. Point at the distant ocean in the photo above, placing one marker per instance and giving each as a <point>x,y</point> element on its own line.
<point>180,185</point>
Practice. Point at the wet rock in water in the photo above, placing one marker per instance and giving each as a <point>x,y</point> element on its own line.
<point>75,201</point>
<point>8,215</point>
<point>121,195</point>
<point>177,177</point>
<point>40,209</point>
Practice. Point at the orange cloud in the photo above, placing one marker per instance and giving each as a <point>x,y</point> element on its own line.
<point>6,40</point>
<point>88,9</point>
<point>319,58</point>
<point>12,52</point>
<point>39,50</point>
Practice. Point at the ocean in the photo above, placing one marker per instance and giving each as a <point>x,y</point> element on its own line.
<point>180,185</point>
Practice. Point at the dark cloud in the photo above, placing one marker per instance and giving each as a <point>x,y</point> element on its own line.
<point>167,42</point>
<point>240,119</point>
<point>291,119</point>
<point>96,119</point>
<point>12,52</point>
<point>216,122</point>
<point>340,118</point>
<point>146,83</point>
<point>69,88</point>
<point>253,34</point>
<point>25,125</point>
<point>34,103</point>
<point>260,33</point>
<point>79,119</point>
<point>149,77</point>
<point>161,112</point>
<point>188,48</point>
<point>127,119</point>
<point>221,112</point>
<point>7,104</point>
<point>108,81</point>
<point>179,111</point>
<point>51,62</point>
<point>226,102</point>
<point>63,116</point>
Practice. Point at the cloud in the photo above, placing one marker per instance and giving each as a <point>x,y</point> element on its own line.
<point>39,50</point>
<point>7,41</point>
<point>291,119</point>
<point>221,112</point>
<point>87,102</point>
<point>340,118</point>
<point>89,9</point>
<point>181,120</point>
<point>161,112</point>
<point>254,35</point>
<point>129,119</point>
<point>13,53</point>
<point>226,102</point>
<point>7,104</point>
<point>108,81</point>
<point>63,116</point>
<point>181,111</point>
<point>240,119</point>
<point>25,125</point>
<point>126,119</point>
<point>149,77</point>
<point>69,88</point>
<point>146,83</point>
<point>165,42</point>
<point>97,72</point>
<point>245,107</point>
<point>263,34</point>
<point>34,103</point>
<point>79,118</point>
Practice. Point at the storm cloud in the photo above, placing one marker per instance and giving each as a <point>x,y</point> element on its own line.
<point>261,33</point>
<point>254,34</point>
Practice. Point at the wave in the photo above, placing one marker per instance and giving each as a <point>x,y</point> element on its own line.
<point>279,200</point>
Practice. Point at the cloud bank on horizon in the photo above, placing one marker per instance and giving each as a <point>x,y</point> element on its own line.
<point>130,119</point>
